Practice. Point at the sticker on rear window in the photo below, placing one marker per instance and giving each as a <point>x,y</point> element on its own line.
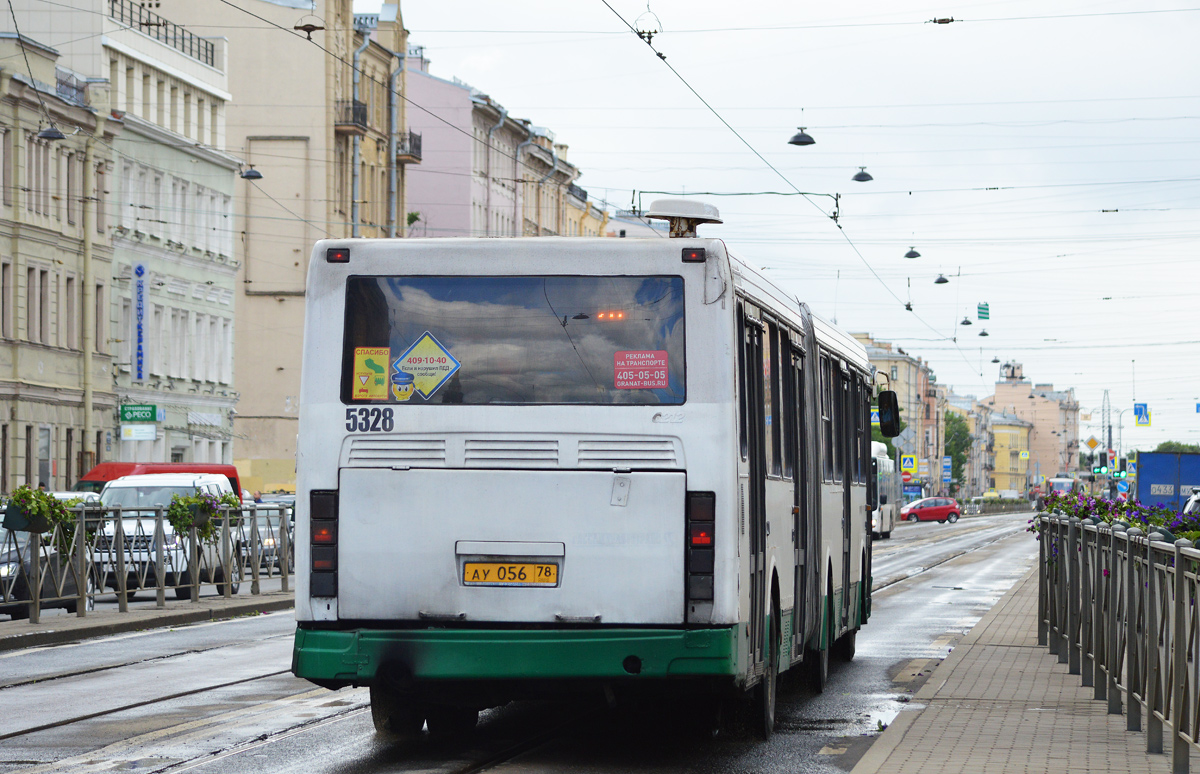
<point>640,370</point>
<point>370,372</point>
<point>424,367</point>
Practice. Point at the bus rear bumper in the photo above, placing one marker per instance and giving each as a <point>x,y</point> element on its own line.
<point>355,656</point>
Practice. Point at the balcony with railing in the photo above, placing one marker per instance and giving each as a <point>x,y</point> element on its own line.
<point>408,149</point>
<point>350,117</point>
<point>138,17</point>
<point>577,192</point>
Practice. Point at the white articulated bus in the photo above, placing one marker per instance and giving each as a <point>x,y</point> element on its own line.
<point>535,466</point>
<point>890,498</point>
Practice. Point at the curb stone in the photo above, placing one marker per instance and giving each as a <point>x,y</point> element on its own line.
<point>22,634</point>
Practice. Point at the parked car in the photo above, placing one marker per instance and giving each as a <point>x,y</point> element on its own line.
<point>939,509</point>
<point>137,496</point>
<point>16,564</point>
<point>71,495</point>
<point>991,494</point>
<point>95,479</point>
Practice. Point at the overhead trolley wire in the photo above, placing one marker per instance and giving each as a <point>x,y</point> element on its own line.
<point>783,177</point>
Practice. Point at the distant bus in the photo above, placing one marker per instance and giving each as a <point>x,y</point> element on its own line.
<point>530,467</point>
<point>887,476</point>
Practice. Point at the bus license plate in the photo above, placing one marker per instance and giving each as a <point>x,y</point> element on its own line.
<point>510,574</point>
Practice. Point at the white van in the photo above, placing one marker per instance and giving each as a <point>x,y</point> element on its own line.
<point>138,496</point>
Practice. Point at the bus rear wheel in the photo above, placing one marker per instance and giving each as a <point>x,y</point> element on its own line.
<point>846,645</point>
<point>393,716</point>
<point>767,690</point>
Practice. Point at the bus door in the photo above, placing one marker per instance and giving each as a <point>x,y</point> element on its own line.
<point>750,367</point>
<point>844,427</point>
<point>802,522</point>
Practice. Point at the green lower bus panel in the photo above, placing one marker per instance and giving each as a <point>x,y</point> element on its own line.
<point>456,654</point>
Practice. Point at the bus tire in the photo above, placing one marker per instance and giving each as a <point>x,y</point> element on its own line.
<point>846,645</point>
<point>768,687</point>
<point>886,535</point>
<point>449,723</point>
<point>818,660</point>
<point>393,716</point>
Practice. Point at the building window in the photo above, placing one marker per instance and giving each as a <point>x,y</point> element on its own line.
<point>69,457</point>
<point>101,343</point>
<point>6,306</point>
<point>72,324</point>
<point>29,456</point>
<point>31,299</point>
<point>43,318</point>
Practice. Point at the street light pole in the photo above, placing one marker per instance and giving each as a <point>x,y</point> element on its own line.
<point>1120,433</point>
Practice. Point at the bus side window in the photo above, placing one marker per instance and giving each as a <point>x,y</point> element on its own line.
<point>826,378</point>
<point>788,406</point>
<point>742,383</point>
<point>841,444</point>
<point>772,398</point>
<point>864,418</point>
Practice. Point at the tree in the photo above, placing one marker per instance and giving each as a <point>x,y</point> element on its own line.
<point>958,441</point>
<point>1175,447</point>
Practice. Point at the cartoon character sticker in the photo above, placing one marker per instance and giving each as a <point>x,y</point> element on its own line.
<point>402,385</point>
<point>370,373</point>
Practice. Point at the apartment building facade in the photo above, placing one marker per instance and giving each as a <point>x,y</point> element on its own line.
<point>56,397</point>
<point>1012,470</point>
<point>169,198</point>
<point>321,123</point>
<point>980,454</point>
<point>1053,416</point>
<point>486,173</point>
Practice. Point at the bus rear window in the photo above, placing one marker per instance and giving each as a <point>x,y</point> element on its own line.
<point>514,340</point>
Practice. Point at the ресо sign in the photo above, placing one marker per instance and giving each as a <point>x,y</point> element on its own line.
<point>139,412</point>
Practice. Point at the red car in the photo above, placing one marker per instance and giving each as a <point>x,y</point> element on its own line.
<point>939,509</point>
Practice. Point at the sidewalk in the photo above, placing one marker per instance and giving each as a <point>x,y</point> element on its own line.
<point>68,628</point>
<point>1001,704</point>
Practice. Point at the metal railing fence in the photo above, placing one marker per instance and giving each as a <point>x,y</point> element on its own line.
<point>1118,607</point>
<point>107,551</point>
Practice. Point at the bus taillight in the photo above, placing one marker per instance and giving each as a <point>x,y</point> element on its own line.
<point>700,535</point>
<point>323,514</point>
<point>701,524</point>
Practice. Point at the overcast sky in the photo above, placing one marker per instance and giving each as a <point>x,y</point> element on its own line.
<point>1043,156</point>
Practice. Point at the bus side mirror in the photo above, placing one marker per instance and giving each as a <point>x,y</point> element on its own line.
<point>889,414</point>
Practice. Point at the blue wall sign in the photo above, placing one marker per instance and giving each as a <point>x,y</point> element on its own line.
<point>139,314</point>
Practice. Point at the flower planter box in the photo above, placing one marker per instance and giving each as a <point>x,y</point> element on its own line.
<point>200,514</point>
<point>18,519</point>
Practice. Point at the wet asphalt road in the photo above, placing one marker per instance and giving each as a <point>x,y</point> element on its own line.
<point>217,697</point>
